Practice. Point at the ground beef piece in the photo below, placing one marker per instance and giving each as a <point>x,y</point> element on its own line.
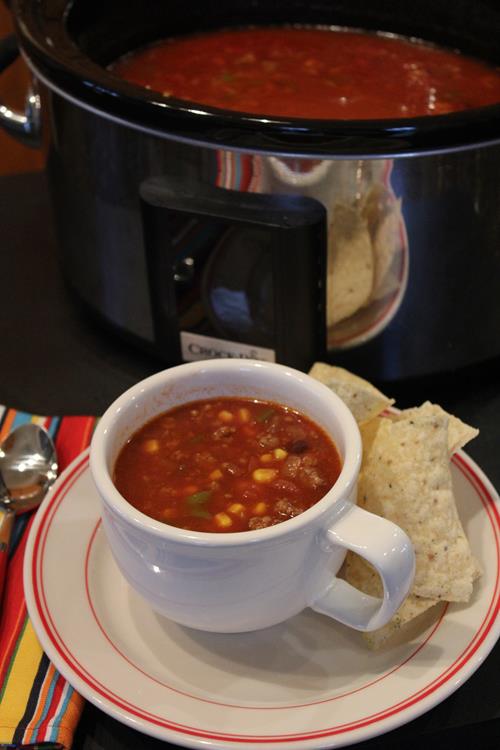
<point>309,460</point>
<point>285,486</point>
<point>268,440</point>
<point>303,470</point>
<point>258,522</point>
<point>310,477</point>
<point>287,508</point>
<point>204,458</point>
<point>232,469</point>
<point>291,467</point>
<point>178,455</point>
<point>224,432</point>
<point>296,432</point>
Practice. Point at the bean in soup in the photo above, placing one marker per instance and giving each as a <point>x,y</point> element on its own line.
<point>227,464</point>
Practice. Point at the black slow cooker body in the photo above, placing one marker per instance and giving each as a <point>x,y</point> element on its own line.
<point>120,158</point>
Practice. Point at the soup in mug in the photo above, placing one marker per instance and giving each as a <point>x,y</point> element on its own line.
<point>226,465</point>
<point>317,73</point>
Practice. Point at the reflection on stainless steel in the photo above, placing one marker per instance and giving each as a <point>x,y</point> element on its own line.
<point>238,288</point>
<point>367,247</point>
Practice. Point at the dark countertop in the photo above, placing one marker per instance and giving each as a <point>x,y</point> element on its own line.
<point>56,360</point>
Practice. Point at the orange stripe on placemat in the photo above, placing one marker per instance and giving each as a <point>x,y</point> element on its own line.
<point>10,648</point>
<point>41,705</point>
<point>7,423</point>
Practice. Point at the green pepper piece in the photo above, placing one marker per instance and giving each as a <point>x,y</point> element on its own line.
<point>265,415</point>
<point>200,513</point>
<point>199,497</point>
<point>196,438</point>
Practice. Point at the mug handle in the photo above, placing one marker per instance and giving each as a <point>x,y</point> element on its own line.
<point>385,546</point>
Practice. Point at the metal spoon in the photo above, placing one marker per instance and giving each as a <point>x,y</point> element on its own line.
<point>28,467</point>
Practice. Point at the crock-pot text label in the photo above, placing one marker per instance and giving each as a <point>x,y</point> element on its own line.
<point>195,347</point>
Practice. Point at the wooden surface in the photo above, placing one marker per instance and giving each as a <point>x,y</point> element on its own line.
<point>14,82</point>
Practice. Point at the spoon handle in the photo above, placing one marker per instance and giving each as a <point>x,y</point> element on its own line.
<point>7,517</point>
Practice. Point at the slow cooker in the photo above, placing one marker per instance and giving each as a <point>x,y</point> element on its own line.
<point>199,232</point>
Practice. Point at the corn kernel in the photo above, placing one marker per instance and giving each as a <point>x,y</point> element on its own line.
<point>238,509</point>
<point>264,475</point>
<point>259,509</point>
<point>222,520</point>
<point>215,474</point>
<point>266,457</point>
<point>151,446</point>
<point>244,415</point>
<point>225,416</point>
<point>280,454</point>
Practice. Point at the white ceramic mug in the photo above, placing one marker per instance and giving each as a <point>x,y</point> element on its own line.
<point>234,582</point>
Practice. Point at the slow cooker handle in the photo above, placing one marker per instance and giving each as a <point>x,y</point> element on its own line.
<point>25,127</point>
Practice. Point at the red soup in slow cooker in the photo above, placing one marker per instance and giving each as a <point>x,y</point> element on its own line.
<point>227,465</point>
<point>313,73</point>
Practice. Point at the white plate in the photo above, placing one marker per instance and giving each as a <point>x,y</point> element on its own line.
<point>308,683</point>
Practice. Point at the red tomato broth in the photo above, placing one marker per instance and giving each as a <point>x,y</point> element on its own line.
<point>227,465</point>
<point>314,73</point>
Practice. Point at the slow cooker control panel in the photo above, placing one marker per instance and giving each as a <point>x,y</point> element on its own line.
<point>235,275</point>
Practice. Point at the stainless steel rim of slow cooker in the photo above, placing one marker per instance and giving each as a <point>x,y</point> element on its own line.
<point>217,146</point>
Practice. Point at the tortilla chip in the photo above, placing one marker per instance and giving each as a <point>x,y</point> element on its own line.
<point>412,608</point>
<point>406,478</point>
<point>350,265</point>
<point>360,574</point>
<point>369,431</point>
<point>459,433</point>
<point>360,396</point>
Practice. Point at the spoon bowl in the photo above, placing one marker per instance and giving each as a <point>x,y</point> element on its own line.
<point>28,468</point>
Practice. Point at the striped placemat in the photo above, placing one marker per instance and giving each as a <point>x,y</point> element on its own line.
<point>37,705</point>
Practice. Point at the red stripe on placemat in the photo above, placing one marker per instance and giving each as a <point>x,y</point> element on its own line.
<point>13,616</point>
<point>73,437</point>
